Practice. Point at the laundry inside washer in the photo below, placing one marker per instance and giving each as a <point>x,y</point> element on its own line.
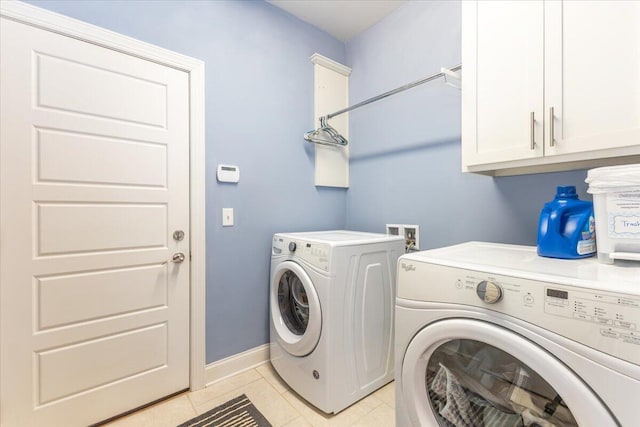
<point>470,383</point>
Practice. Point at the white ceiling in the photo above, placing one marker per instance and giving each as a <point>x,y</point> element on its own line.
<point>342,19</point>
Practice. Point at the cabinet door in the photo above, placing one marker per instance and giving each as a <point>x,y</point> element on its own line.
<point>592,77</point>
<point>502,98</point>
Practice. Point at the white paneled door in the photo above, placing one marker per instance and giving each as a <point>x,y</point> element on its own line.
<point>94,168</point>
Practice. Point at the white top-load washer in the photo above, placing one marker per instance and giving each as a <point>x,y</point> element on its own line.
<point>332,295</point>
<point>494,335</point>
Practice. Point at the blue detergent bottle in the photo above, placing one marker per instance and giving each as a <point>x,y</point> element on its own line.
<point>567,227</point>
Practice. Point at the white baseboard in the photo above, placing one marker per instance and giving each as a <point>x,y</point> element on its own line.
<point>236,364</point>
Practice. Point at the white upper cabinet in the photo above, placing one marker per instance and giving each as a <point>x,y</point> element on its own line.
<point>550,85</point>
<point>503,80</point>
<point>592,75</point>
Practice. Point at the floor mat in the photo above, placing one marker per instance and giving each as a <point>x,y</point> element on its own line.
<point>238,412</point>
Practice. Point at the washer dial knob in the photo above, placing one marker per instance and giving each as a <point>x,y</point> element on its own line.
<point>292,246</point>
<point>489,292</point>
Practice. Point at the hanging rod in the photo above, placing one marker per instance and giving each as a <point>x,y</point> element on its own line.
<point>334,137</point>
<point>393,92</point>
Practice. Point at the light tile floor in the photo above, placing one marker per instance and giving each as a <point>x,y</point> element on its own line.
<point>273,398</point>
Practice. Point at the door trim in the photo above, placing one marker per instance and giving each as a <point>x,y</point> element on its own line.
<point>50,21</point>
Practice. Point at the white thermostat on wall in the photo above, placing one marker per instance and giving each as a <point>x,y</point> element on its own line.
<point>228,173</point>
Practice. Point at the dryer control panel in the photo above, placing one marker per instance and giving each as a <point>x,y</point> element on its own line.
<point>316,254</point>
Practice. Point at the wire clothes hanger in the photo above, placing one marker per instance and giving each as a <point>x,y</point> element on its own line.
<point>334,137</point>
<point>327,135</point>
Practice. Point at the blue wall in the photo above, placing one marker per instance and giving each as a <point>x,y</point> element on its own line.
<point>259,102</point>
<point>405,150</point>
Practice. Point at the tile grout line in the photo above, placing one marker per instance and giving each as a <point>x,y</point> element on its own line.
<point>195,411</point>
<point>295,411</point>
<point>239,388</point>
<point>276,377</point>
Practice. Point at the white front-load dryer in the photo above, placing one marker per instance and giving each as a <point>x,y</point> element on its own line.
<point>493,335</point>
<point>332,295</point>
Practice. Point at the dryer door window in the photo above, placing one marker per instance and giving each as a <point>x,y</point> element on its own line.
<point>296,317</point>
<point>468,373</point>
<point>293,302</point>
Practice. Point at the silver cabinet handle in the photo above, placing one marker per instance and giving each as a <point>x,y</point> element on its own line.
<point>533,135</point>
<point>552,141</point>
<point>177,258</point>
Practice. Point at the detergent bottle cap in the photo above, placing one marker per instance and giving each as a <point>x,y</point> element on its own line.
<point>566,192</point>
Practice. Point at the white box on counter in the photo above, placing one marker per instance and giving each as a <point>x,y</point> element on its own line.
<point>616,203</point>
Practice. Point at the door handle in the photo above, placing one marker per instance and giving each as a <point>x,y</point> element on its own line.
<point>178,258</point>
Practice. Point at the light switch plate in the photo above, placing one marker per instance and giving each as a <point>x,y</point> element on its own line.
<point>227,217</point>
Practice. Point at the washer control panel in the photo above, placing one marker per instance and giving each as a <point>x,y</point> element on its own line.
<point>606,321</point>
<point>489,292</point>
<point>615,316</point>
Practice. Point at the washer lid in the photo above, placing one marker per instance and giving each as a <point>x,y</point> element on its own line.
<point>524,262</point>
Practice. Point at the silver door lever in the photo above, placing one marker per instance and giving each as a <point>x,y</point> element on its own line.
<point>177,258</point>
